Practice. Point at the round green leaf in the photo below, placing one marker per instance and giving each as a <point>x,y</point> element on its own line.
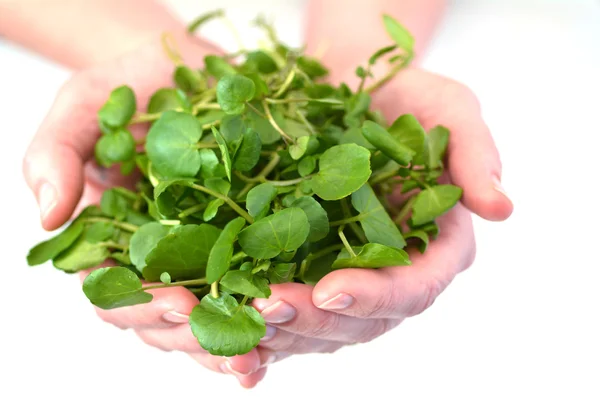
<point>119,108</point>
<point>219,259</point>
<point>225,328</point>
<point>168,99</point>
<point>245,283</point>
<point>433,202</point>
<point>298,149</point>
<point>372,256</point>
<point>233,92</point>
<point>248,153</point>
<point>81,255</point>
<point>316,215</point>
<point>218,67</point>
<point>144,240</point>
<point>258,200</point>
<point>188,80</point>
<point>49,249</point>
<point>343,169</point>
<point>283,231</point>
<point>115,148</point>
<point>113,287</point>
<point>171,145</point>
<point>307,165</point>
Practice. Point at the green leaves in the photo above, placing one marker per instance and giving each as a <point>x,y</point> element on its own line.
<point>225,328</point>
<point>119,108</point>
<point>218,67</point>
<point>374,219</point>
<point>407,131</point>
<point>371,256</point>
<point>434,202</point>
<point>224,151</point>
<point>436,144</point>
<point>113,287</point>
<point>81,255</point>
<point>316,216</point>
<point>171,145</point>
<point>143,241</point>
<point>248,153</point>
<point>183,253</point>
<point>245,283</point>
<point>382,140</point>
<point>168,99</point>
<point>343,169</point>
<point>283,231</point>
<point>399,34</point>
<point>48,250</point>
<point>233,91</point>
<point>221,252</point>
<point>258,201</point>
<point>298,149</point>
<point>116,147</point>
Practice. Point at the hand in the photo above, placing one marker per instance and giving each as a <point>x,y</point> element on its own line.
<point>357,305</point>
<point>59,167</point>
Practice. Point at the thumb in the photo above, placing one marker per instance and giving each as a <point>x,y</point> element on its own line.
<point>53,163</point>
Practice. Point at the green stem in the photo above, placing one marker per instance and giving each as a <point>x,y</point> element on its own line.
<point>122,225</point>
<point>172,52</point>
<point>145,117</point>
<point>405,210</point>
<point>126,192</point>
<point>244,301</point>
<point>390,75</point>
<point>238,257</point>
<point>214,289</point>
<point>112,244</point>
<point>274,123</point>
<point>304,266</point>
<point>170,222</point>
<point>286,83</point>
<point>207,145</point>
<point>250,182</point>
<point>364,78</point>
<point>383,176</point>
<point>345,221</point>
<point>205,106</point>
<point>306,122</point>
<point>355,228</point>
<point>255,110</point>
<point>199,281</point>
<point>345,241</point>
<point>288,182</point>
<point>226,199</point>
<point>192,210</point>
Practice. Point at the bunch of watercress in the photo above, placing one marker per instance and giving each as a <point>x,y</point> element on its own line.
<point>253,172</point>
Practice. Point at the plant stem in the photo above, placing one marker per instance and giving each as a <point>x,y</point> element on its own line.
<point>405,210</point>
<point>205,106</point>
<point>355,228</point>
<point>172,52</point>
<point>286,83</point>
<point>255,110</point>
<point>345,241</point>
<point>243,302</point>
<point>345,221</point>
<point>214,289</point>
<point>122,225</point>
<point>315,255</point>
<point>199,281</point>
<point>379,83</point>
<point>306,122</point>
<point>250,182</point>
<point>144,118</point>
<point>226,199</point>
<point>288,182</point>
<point>112,244</point>
<point>170,222</point>
<point>382,176</point>
<point>238,257</point>
<point>274,123</point>
<point>192,210</point>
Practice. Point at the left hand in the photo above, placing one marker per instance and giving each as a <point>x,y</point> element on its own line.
<point>357,305</point>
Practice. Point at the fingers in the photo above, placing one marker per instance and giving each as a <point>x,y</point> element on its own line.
<point>283,341</point>
<point>248,369</point>
<point>290,308</point>
<point>399,292</point>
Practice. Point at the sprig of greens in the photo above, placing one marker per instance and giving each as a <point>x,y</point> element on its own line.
<point>254,172</point>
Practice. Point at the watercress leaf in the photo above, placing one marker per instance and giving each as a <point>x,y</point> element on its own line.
<point>318,269</point>
<point>119,108</point>
<point>285,230</point>
<point>163,185</point>
<point>384,141</point>
<point>114,204</point>
<point>183,253</point>
<point>219,259</point>
<point>399,34</point>
<point>360,72</point>
<point>407,130</point>
<point>113,287</point>
<point>312,67</point>
<point>210,117</point>
<point>381,52</point>
<point>212,209</point>
<point>245,283</point>
<point>168,99</point>
<point>409,185</point>
<point>232,127</point>
<point>260,86</point>
<point>298,149</point>
<point>99,231</point>
<point>343,169</point>
<point>281,273</point>
<point>261,62</point>
<point>305,187</point>
<point>433,202</point>
<point>248,153</point>
<point>265,130</point>
<point>435,146</point>
<point>316,215</point>
<point>171,144</point>
<point>81,255</point>
<point>225,328</point>
<point>355,135</point>
<point>420,235</point>
<point>50,249</point>
<point>371,256</point>
<point>121,258</point>
<point>165,278</point>
<point>307,165</point>
<point>356,107</point>
<point>233,92</point>
<point>246,266</point>
<point>224,151</point>
<point>219,185</point>
<point>114,148</point>
<point>375,221</point>
<point>296,129</point>
<point>188,80</point>
<point>218,67</point>
<point>143,241</point>
<point>209,161</point>
<point>258,200</point>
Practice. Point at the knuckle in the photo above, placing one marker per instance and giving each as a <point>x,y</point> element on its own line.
<point>374,330</point>
<point>328,324</point>
<point>430,290</point>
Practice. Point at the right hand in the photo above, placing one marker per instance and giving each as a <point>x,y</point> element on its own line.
<point>60,169</point>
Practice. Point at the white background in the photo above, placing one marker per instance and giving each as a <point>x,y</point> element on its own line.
<point>523,321</point>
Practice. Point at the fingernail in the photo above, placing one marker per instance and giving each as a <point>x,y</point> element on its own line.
<point>175,317</point>
<point>46,199</point>
<point>279,312</point>
<point>338,302</point>
<point>498,186</point>
<point>228,369</point>
<point>271,331</point>
<point>272,358</point>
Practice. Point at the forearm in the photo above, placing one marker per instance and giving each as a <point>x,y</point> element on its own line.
<point>80,33</point>
<point>347,32</point>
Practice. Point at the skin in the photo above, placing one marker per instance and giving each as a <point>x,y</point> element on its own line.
<point>339,310</point>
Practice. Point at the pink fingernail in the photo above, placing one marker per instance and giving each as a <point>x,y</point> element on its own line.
<point>278,313</point>
<point>338,302</point>
<point>46,199</point>
<point>176,317</point>
<point>271,331</point>
<point>228,369</point>
<point>498,186</point>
